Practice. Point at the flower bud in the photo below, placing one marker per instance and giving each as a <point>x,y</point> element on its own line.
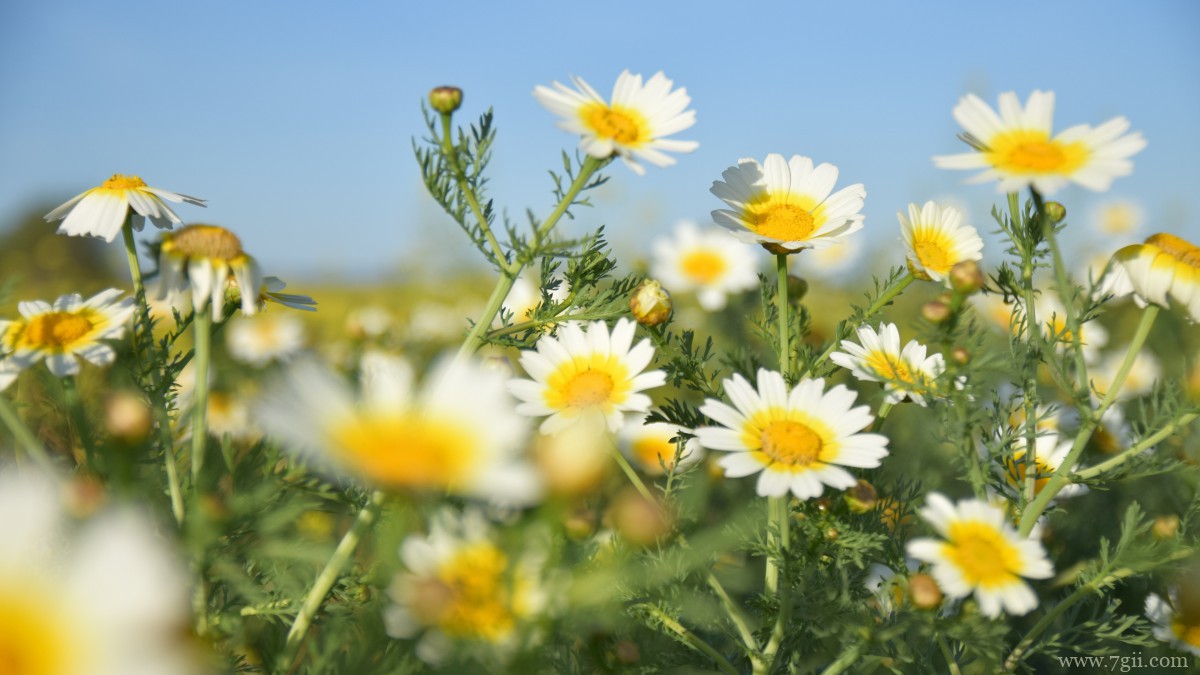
<point>650,303</point>
<point>127,418</point>
<point>1055,212</point>
<point>935,311</point>
<point>924,591</point>
<point>445,99</point>
<point>627,653</point>
<point>966,277</point>
<point>1165,527</point>
<point>960,356</point>
<point>796,287</point>
<point>862,497</point>
<point>638,520</point>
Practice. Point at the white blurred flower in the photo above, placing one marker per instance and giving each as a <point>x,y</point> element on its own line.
<point>1145,372</point>
<point>268,337</point>
<point>649,445</point>
<point>1171,625</point>
<point>711,263</point>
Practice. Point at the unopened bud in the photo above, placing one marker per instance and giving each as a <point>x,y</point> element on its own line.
<point>796,287</point>
<point>924,591</point>
<point>445,99</point>
<point>862,497</point>
<point>580,524</point>
<point>83,495</point>
<point>127,418</point>
<point>832,534</point>
<point>1055,212</point>
<point>627,653</point>
<point>966,277</point>
<point>935,311</point>
<point>638,520</point>
<point>650,303</point>
<point>960,356</point>
<point>1166,527</point>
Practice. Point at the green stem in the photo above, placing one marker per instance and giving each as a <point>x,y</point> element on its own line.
<point>884,409</point>
<point>948,655</point>
<point>78,418</point>
<point>203,331</point>
<point>882,301</point>
<point>1033,352</point>
<point>692,639</point>
<point>23,436</point>
<point>558,318</point>
<point>781,302</point>
<point>1034,509</point>
<point>776,581</point>
<point>735,615</point>
<point>1066,293</point>
<point>847,658</point>
<point>142,325</point>
<point>1137,448</point>
<point>630,473</point>
<point>325,580</point>
<point>464,188</point>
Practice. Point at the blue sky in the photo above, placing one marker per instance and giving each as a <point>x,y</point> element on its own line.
<point>295,119</point>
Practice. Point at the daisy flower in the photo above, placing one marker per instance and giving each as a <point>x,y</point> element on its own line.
<point>711,263</point>
<point>229,413</point>
<point>1145,372</point>
<point>786,204</point>
<point>650,447</point>
<point>1173,623</point>
<point>200,260</point>
<point>936,240</point>
<point>981,553</point>
<point>586,373</point>
<point>71,327</point>
<point>798,440</point>
<point>102,598</point>
<point>101,211</point>
<point>1115,218</point>
<point>1051,450</point>
<point>1164,267</point>
<point>462,591</point>
<point>457,434</point>
<point>1015,148</point>
<point>574,461</point>
<point>906,372</point>
<point>260,340</point>
<point>830,262</point>
<point>634,125</point>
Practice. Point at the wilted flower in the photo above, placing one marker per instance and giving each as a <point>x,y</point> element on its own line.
<point>199,260</point>
<point>101,211</point>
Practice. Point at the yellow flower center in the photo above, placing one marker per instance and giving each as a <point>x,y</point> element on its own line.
<point>622,125</point>
<point>120,182</point>
<point>934,250</point>
<point>205,241</point>
<point>408,450</point>
<point>981,553</point>
<point>591,387</point>
<point>1016,471</point>
<point>1026,152</point>
<point>791,443</point>
<point>704,266</point>
<point>477,602</point>
<point>649,450</point>
<point>56,330</point>
<point>889,367</point>
<point>1176,248</point>
<point>1185,631</point>
<point>783,216</point>
<point>33,640</point>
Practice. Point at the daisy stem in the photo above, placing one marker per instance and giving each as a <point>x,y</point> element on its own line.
<point>735,614</point>
<point>325,580</point>
<point>78,418</point>
<point>948,655</point>
<point>1088,424</point>
<point>776,581</point>
<point>882,301</point>
<point>691,638</point>
<point>1066,292</point>
<point>142,325</point>
<point>1157,437</point>
<point>23,436</point>
<point>632,475</point>
<point>465,189</point>
<point>884,409</point>
<point>202,326</point>
<point>1033,352</point>
<point>781,302</point>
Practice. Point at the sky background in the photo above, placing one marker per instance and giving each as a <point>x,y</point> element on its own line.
<point>295,120</point>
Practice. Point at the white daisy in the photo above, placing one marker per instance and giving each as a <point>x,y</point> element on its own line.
<point>634,125</point>
<point>229,414</point>
<point>786,204</point>
<point>262,339</point>
<point>936,240</point>
<point>457,434</point>
<point>650,447</point>
<point>906,372</point>
<point>104,598</point>
<point>580,374</point>
<point>981,553</point>
<point>526,294</point>
<point>710,263</point>
<point>101,211</point>
<point>462,591</point>
<point>71,327</point>
<point>1165,267</point>
<point>829,262</point>
<point>371,321</point>
<point>1173,624</point>
<point>1015,148</point>
<point>799,440</point>
<point>199,261</point>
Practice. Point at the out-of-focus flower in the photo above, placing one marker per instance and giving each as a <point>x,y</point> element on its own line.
<point>229,413</point>
<point>1115,218</point>
<point>1163,267</point>
<point>981,553</point>
<point>829,262</point>
<point>1052,314</point>
<point>1049,456</point>
<point>575,460</point>
<point>370,322</point>
<point>590,373</point>
<point>71,327</point>
<point>458,434</point>
<point>786,204</point>
<point>634,126</point>
<point>271,291</point>
<point>461,591</point>
<point>1015,148</point>
<point>711,264</point>
<point>199,260</point>
<point>995,310</point>
<point>936,240</point>
<point>127,417</point>
<point>106,598</point>
<point>526,295</point>
<point>906,372</point>
<point>797,439</point>
<point>262,339</point>
<point>1145,371</point>
<point>1175,623</point>
<point>101,211</point>
<point>649,446</point>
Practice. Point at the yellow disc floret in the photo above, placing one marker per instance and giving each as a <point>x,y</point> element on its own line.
<point>889,367</point>
<point>204,241</point>
<point>121,182</point>
<point>704,266</point>
<point>1177,248</point>
<point>934,250</point>
<point>478,601</point>
<point>33,640</point>
<point>618,124</point>
<point>407,450</point>
<point>791,443</point>
<point>54,330</point>
<point>981,553</point>
<point>597,381</point>
<point>783,216</point>
<point>1034,152</point>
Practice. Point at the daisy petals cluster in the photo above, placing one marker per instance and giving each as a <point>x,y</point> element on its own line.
<point>71,327</point>
<point>1165,267</point>
<point>102,210</point>
<point>878,357</point>
<point>710,263</point>
<point>936,240</point>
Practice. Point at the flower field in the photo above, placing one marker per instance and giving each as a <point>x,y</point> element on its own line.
<point>724,453</point>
